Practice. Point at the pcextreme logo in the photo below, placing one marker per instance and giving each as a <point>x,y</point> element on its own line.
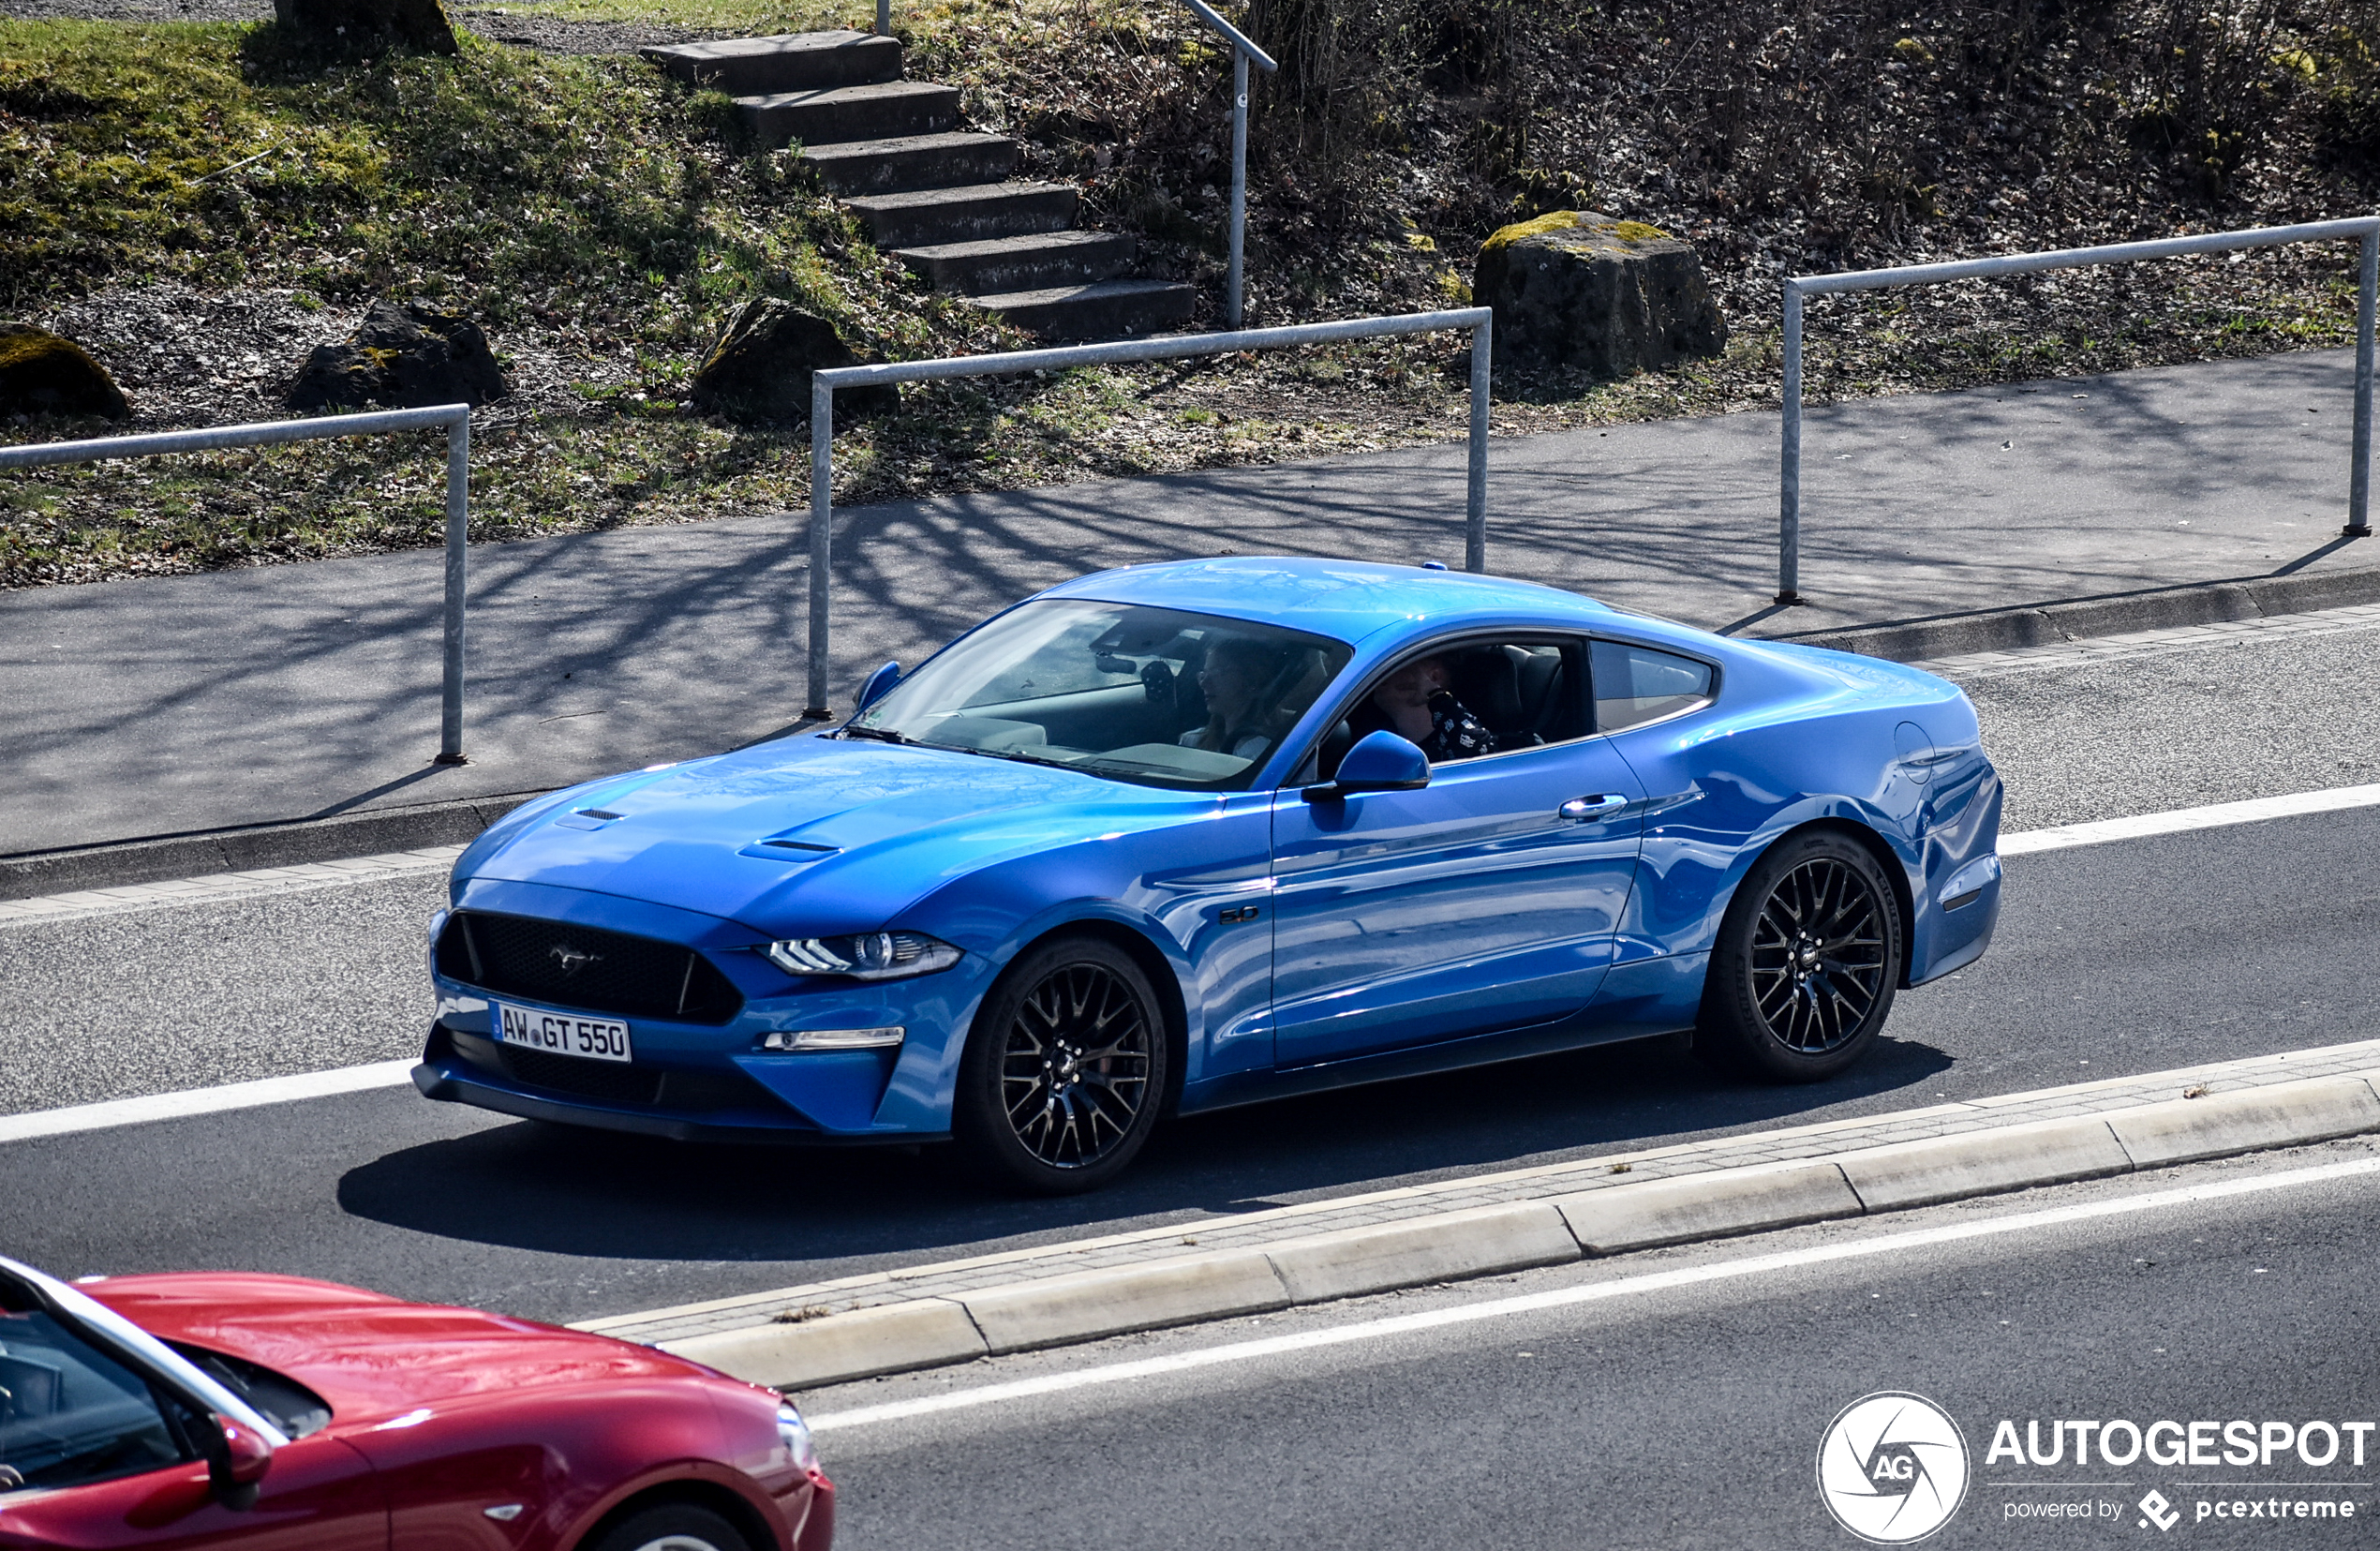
<point>1892,1468</point>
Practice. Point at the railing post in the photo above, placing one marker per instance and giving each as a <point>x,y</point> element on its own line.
<point>1789,482</point>
<point>822,536</point>
<point>1239,178</point>
<point>2360,460</point>
<point>458,534</point>
<point>1475,505</point>
<point>884,18</point>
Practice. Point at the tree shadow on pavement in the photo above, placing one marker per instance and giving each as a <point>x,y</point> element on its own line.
<point>834,1212</point>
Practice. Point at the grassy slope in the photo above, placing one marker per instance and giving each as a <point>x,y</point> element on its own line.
<point>592,215</point>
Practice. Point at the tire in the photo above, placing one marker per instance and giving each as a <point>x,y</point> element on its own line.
<point>671,1527</point>
<point>1065,1069</point>
<point>1807,957</point>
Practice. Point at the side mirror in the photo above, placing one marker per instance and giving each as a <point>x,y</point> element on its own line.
<point>878,682</point>
<point>236,1460</point>
<point>1380,762</point>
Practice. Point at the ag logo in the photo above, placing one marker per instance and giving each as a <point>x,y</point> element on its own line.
<point>1892,1468</point>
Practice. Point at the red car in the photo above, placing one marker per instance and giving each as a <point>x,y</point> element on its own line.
<point>266,1413</point>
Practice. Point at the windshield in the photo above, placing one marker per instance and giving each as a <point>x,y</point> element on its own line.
<point>1152,696</point>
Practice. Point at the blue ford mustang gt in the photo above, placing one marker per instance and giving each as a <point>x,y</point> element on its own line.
<point>1188,835</point>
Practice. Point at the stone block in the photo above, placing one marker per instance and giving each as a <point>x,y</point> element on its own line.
<point>1441,1248</point>
<point>2285,1114</point>
<point>1706,1206</point>
<point>1978,1163</point>
<point>1581,289</point>
<point>894,1338</point>
<point>1056,1310</point>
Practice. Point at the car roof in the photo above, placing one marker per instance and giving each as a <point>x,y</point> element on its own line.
<point>1347,599</point>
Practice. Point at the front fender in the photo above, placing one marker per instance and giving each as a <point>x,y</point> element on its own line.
<point>1170,885</point>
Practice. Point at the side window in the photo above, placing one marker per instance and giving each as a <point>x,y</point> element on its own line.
<point>1470,698</point>
<point>1637,684</point>
<point>69,1414</point>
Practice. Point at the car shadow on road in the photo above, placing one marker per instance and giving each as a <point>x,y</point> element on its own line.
<point>826,1212</point>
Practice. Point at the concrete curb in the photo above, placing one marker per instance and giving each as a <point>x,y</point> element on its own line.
<point>1488,1241</point>
<point>2117,614</point>
<point>121,863</point>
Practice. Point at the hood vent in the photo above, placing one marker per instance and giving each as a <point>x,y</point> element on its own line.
<point>790,850</point>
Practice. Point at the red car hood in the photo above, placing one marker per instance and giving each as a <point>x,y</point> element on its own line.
<point>368,1354</point>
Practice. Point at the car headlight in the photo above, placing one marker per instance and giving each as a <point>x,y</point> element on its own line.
<point>863,955</point>
<point>794,1433</point>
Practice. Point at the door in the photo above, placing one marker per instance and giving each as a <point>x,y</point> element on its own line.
<point>318,1496</point>
<point>1473,905</point>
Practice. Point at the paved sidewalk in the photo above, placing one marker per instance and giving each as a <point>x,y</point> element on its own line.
<point>161,706</point>
<point>1258,1230</point>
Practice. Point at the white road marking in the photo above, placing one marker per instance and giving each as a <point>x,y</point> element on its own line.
<point>1626,1287</point>
<point>2213,816</point>
<point>218,888</point>
<point>200,1101</point>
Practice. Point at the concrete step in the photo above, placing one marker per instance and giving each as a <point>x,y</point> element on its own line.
<point>792,62</point>
<point>971,214</point>
<point>913,161</point>
<point>839,114</point>
<point>1109,309</point>
<point>1034,262</point>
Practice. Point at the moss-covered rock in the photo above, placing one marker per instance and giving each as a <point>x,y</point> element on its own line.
<point>402,357</point>
<point>45,373</point>
<point>357,26</point>
<point>1577,287</point>
<point>759,372</point>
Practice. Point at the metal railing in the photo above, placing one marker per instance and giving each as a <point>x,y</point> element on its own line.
<point>1480,320</point>
<point>456,418</point>
<point>1789,534</point>
<point>1244,51</point>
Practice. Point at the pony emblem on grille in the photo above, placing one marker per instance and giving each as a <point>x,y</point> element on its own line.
<point>571,960</point>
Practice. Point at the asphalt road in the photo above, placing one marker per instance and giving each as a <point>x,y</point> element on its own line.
<point>1685,1416</point>
<point>190,996</point>
<point>2112,960</point>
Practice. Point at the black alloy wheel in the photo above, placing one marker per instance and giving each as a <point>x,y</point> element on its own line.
<point>1803,975</point>
<point>1066,1068</point>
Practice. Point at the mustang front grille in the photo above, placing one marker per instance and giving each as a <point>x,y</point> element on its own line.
<point>580,966</point>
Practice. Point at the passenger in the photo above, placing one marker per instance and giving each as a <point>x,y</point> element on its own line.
<point>1238,671</point>
<point>1415,703</point>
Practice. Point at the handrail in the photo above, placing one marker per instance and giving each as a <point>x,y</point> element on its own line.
<point>1240,40</point>
<point>2365,228</point>
<point>1481,322</point>
<point>454,418</point>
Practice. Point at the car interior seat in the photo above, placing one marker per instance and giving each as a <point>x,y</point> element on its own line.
<point>29,1388</point>
<point>1515,691</point>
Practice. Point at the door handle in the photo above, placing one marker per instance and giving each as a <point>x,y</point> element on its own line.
<point>1579,810</point>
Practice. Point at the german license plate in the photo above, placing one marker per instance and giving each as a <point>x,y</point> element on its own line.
<point>562,1033</point>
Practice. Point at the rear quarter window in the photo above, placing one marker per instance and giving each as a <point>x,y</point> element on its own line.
<point>1634,684</point>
